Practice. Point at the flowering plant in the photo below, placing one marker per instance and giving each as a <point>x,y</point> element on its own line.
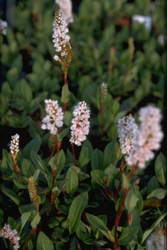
<point>92,174</point>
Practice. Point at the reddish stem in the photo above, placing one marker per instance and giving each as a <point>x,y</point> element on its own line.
<point>120,182</point>
<point>54,175</point>
<point>65,78</point>
<point>119,212</point>
<point>118,216</point>
<point>18,173</point>
<point>73,152</point>
<point>32,232</point>
<point>132,172</point>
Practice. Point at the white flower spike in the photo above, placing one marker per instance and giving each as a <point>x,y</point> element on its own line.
<point>54,118</point>
<point>11,235</point>
<point>80,124</point>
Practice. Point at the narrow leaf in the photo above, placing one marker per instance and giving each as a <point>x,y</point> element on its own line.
<point>65,94</point>
<point>11,195</point>
<point>72,181</point>
<point>127,234</point>
<point>24,218</point>
<point>98,176</point>
<point>34,145</point>
<point>97,159</point>
<point>98,223</point>
<point>36,220</point>
<point>75,211</point>
<point>161,169</point>
<point>159,193</point>
<point>39,163</point>
<point>147,232</point>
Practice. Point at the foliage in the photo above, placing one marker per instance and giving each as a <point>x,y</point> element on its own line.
<point>86,201</point>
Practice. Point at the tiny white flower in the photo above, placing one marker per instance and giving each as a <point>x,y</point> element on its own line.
<point>147,138</point>
<point>126,132</point>
<point>3,25</point>
<point>54,118</point>
<point>65,8</point>
<point>80,124</point>
<point>14,145</point>
<point>56,58</point>
<point>10,234</point>
<point>60,37</point>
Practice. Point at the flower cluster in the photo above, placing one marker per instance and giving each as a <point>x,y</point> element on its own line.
<point>11,235</point>
<point>80,124</point>
<point>60,37</point>
<point>3,25</point>
<point>14,146</point>
<point>144,140</point>
<point>126,132</point>
<point>65,8</point>
<point>54,118</point>
<point>104,89</point>
<point>157,240</point>
<point>33,192</point>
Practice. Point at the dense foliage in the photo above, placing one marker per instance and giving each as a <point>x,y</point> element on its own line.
<point>59,195</point>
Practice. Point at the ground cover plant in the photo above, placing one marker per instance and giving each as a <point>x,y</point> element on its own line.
<point>82,126</point>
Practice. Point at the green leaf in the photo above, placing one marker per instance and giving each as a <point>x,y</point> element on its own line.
<point>128,234</point>
<point>110,152</point>
<point>65,94</point>
<point>98,223</point>
<point>83,157</point>
<point>44,243</point>
<point>152,185</point>
<point>6,89</point>
<point>12,76</point>
<point>1,218</point>
<point>58,163</point>
<point>63,133</point>
<point>158,193</point>
<point>77,207</point>
<point>7,161</point>
<point>67,118</point>
<point>147,232</point>
<point>98,177</point>
<point>97,159</point>
<point>34,145</point>
<point>125,181</point>
<point>60,246</point>
<point>161,169</point>
<point>28,168</point>
<point>72,181</point>
<point>36,220</point>
<point>23,90</point>
<point>131,200</point>
<point>26,208</point>
<point>34,105</point>
<point>34,129</point>
<point>24,218</point>
<point>87,239</point>
<point>139,205</point>
<point>11,195</point>
<point>39,163</point>
<point>30,245</point>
